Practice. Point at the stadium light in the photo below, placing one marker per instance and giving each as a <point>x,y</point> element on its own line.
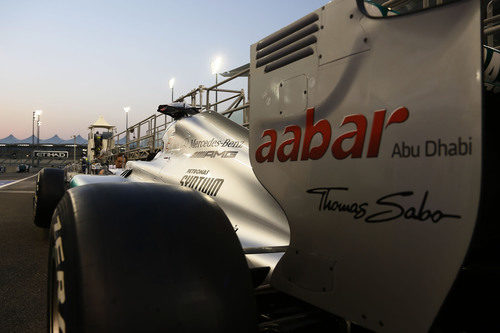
<point>126,109</point>
<point>38,124</point>
<point>36,114</point>
<point>171,83</point>
<point>74,149</point>
<point>215,65</point>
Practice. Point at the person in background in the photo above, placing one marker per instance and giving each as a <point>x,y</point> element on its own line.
<point>85,163</point>
<point>120,162</point>
<point>97,143</point>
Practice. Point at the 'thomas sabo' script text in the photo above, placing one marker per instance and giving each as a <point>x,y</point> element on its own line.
<point>386,208</point>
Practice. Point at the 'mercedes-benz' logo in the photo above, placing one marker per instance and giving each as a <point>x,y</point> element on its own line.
<point>215,143</point>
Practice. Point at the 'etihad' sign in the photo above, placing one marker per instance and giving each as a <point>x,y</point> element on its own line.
<point>50,154</point>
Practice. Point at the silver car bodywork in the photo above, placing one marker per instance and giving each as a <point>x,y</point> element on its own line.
<point>209,153</point>
<point>368,134</point>
<point>370,139</point>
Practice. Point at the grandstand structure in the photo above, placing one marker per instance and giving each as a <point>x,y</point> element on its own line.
<point>139,141</point>
<point>54,151</point>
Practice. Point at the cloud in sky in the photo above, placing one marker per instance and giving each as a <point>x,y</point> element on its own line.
<point>77,60</point>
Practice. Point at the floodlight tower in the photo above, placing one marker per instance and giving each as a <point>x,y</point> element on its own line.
<point>215,66</point>
<point>126,109</point>
<point>74,149</point>
<point>36,114</point>
<point>38,123</point>
<point>171,83</point>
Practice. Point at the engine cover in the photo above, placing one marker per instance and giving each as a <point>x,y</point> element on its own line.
<point>368,134</point>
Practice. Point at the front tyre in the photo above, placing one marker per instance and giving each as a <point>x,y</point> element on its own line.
<point>135,257</point>
<point>49,190</point>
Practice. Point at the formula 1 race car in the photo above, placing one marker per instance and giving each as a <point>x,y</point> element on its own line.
<point>204,152</point>
<point>360,189</point>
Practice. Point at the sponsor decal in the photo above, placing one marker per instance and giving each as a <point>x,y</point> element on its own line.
<point>386,208</point>
<point>439,147</point>
<point>198,171</point>
<point>214,154</point>
<point>50,154</point>
<point>215,143</point>
<point>207,185</point>
<point>267,151</point>
<point>59,260</point>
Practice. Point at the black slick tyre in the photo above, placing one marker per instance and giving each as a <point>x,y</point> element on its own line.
<point>49,190</point>
<point>148,258</point>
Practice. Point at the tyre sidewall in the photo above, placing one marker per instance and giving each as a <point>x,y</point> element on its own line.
<point>63,266</point>
<point>48,191</point>
<point>128,266</point>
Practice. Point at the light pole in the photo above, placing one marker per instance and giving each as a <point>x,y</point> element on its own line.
<point>126,109</point>
<point>38,124</point>
<point>215,65</point>
<point>74,149</point>
<point>36,114</point>
<point>171,85</point>
<point>33,130</point>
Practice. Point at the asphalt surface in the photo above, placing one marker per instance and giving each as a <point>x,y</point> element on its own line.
<point>23,258</point>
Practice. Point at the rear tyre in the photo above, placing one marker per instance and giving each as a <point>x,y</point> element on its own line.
<point>49,190</point>
<point>135,257</point>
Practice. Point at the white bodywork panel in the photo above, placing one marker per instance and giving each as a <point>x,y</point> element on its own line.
<point>381,208</point>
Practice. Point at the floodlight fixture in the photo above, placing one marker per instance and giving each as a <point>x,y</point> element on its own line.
<point>216,64</point>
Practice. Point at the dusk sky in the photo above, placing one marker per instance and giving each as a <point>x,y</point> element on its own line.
<point>77,60</point>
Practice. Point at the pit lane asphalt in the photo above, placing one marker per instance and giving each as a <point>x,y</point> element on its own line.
<point>23,258</point>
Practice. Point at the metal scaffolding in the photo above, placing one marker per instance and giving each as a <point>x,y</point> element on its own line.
<point>144,139</point>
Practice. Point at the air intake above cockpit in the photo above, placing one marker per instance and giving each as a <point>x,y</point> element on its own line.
<point>178,110</point>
